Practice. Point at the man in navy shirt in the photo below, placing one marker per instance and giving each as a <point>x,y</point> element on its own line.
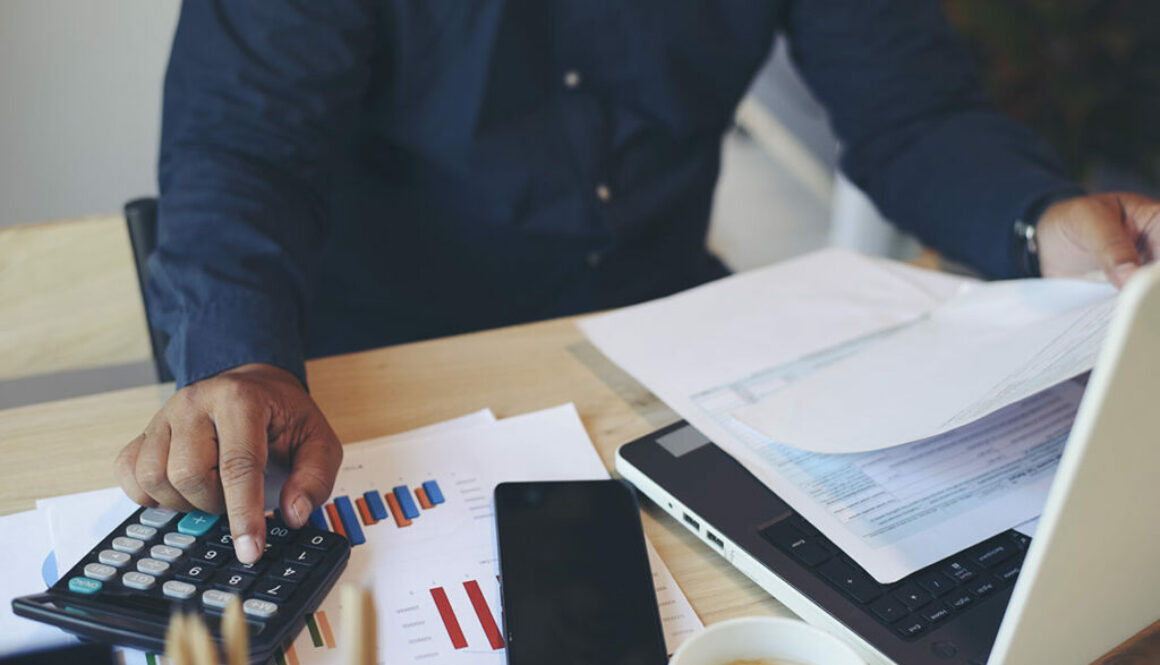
<point>349,174</point>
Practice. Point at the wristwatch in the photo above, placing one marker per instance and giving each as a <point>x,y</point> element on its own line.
<point>1026,249</point>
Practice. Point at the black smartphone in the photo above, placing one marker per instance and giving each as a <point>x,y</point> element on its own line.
<point>574,575</point>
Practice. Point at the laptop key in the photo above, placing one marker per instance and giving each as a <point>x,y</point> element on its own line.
<point>888,609</point>
<point>859,585</point>
<point>936,583</point>
<point>912,627</point>
<point>935,613</point>
<point>982,587</point>
<point>810,553</point>
<point>959,599</point>
<point>783,535</point>
<point>1009,572</point>
<point>993,552</point>
<point>959,572</point>
<point>912,596</point>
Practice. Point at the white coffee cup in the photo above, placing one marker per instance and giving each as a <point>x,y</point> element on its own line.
<point>772,638</point>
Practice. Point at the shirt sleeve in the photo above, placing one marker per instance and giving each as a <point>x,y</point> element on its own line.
<point>918,134</point>
<point>256,97</point>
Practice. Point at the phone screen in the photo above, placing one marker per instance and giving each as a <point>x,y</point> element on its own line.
<point>575,578</point>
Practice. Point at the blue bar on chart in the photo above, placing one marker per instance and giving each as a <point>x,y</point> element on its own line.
<point>433,492</point>
<point>349,520</point>
<point>318,520</point>
<point>406,503</point>
<point>375,505</point>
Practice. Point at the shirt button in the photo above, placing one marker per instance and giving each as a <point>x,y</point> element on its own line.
<point>572,79</point>
<point>594,259</point>
<point>603,192</point>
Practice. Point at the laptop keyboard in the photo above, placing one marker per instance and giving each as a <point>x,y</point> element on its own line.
<point>913,605</point>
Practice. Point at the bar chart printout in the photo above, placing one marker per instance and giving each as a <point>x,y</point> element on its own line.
<point>348,518</point>
<point>483,614</point>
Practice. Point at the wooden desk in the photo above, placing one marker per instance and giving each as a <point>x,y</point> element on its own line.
<point>68,446</point>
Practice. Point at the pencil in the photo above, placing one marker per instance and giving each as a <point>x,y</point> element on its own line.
<point>235,634</point>
<point>176,646</point>
<point>201,643</point>
<point>360,626</point>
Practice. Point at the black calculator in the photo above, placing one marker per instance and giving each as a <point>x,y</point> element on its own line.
<point>159,561</point>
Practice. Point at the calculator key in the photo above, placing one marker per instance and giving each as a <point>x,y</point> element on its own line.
<point>195,572</point>
<point>138,580</point>
<point>175,539</point>
<point>289,572</point>
<point>232,580</point>
<point>140,531</point>
<point>100,571</point>
<point>127,545</point>
<point>303,556</point>
<point>156,517</point>
<point>320,540</point>
<point>256,568</point>
<point>165,553</point>
<point>210,555</point>
<point>262,609</point>
<point>152,566</point>
<point>197,523</point>
<point>113,558</point>
<point>84,586</point>
<point>179,590</point>
<point>222,538</point>
<point>277,530</point>
<point>276,590</point>
<point>217,598</point>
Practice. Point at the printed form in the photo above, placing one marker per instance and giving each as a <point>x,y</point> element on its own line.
<point>714,350</point>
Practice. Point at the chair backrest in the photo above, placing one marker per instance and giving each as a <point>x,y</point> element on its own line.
<point>141,221</point>
<point>68,298</point>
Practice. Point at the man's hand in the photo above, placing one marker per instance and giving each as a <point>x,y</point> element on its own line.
<point>1116,233</point>
<point>207,449</point>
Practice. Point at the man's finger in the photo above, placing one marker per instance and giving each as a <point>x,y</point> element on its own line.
<point>1110,240</point>
<point>242,451</point>
<point>314,464</point>
<point>125,468</point>
<point>193,462</point>
<point>152,470</point>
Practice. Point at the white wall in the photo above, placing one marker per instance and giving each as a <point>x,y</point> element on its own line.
<point>80,99</point>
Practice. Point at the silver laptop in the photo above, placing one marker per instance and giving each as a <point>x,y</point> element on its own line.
<point>1089,580</point>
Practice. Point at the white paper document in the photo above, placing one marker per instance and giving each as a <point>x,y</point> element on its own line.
<point>987,347</point>
<point>714,350</point>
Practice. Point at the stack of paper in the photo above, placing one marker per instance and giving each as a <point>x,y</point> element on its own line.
<point>435,578</point>
<point>841,358</point>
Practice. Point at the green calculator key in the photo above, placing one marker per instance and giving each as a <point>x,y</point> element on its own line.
<point>84,585</point>
<point>197,523</point>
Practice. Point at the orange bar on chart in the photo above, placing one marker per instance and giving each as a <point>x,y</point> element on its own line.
<point>396,511</point>
<point>364,512</point>
<point>335,520</point>
<point>424,502</point>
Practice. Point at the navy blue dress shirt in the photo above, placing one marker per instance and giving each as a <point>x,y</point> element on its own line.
<point>348,174</point>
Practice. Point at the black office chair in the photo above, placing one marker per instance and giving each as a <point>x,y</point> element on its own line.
<point>141,219</point>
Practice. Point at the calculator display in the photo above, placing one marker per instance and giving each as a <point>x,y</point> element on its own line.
<point>158,561</point>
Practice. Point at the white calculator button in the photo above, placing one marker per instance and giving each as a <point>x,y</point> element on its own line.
<point>215,598</point>
<point>100,571</point>
<point>140,531</point>
<point>127,545</point>
<point>138,581</point>
<point>152,566</point>
<point>263,609</point>
<point>176,589</point>
<point>174,539</point>
<point>113,558</point>
<point>165,553</point>
<point>157,517</point>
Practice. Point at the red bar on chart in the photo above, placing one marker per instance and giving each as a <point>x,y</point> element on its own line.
<point>484,613</point>
<point>448,616</point>
<point>364,512</point>
<point>335,520</point>
<point>396,511</point>
<point>424,502</point>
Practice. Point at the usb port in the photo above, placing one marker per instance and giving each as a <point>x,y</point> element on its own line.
<point>715,540</point>
<point>692,522</point>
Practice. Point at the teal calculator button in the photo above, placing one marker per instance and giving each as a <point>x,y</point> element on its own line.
<point>84,585</point>
<point>197,523</point>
